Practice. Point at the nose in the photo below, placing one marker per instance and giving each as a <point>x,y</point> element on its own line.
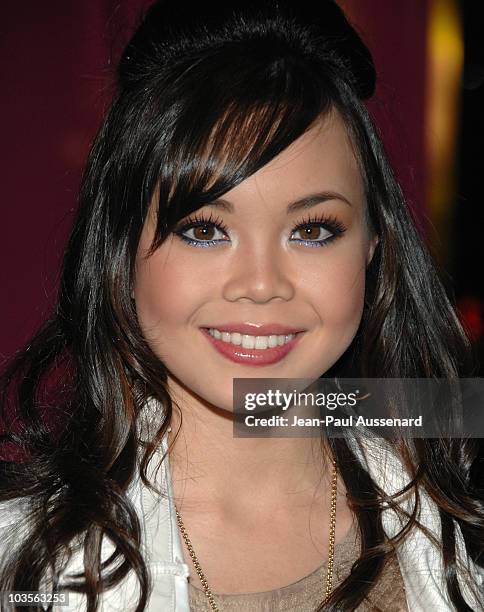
<point>259,274</point>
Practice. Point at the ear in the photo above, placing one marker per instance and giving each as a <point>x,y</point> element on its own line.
<point>371,249</point>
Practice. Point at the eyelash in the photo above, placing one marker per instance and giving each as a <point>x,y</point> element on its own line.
<point>329,223</point>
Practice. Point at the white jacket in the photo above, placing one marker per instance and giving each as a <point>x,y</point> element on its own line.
<point>420,562</point>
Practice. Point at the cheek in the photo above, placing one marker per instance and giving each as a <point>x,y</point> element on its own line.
<point>167,292</point>
<point>338,293</point>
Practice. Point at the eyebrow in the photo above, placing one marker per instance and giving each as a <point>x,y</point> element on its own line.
<point>301,204</point>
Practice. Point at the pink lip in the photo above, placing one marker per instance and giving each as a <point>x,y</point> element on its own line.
<point>238,354</point>
<point>253,329</point>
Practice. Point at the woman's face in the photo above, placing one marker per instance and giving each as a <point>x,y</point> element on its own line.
<point>289,248</point>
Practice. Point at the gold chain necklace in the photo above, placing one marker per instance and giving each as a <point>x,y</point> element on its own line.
<point>332,527</point>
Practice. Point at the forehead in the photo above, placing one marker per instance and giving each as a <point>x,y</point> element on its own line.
<point>323,158</point>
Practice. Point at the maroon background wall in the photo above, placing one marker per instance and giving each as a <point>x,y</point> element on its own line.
<point>56,80</point>
<point>396,32</point>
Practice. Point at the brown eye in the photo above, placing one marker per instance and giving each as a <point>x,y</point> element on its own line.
<point>204,232</point>
<point>318,231</point>
<point>312,231</point>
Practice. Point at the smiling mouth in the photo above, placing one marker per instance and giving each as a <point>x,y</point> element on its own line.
<point>249,341</point>
<point>252,350</point>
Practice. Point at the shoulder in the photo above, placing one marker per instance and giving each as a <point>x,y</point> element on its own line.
<point>13,512</point>
<point>420,553</point>
<point>15,520</point>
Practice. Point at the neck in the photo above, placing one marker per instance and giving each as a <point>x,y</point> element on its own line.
<point>212,470</point>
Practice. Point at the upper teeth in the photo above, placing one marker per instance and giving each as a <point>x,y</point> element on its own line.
<point>250,342</point>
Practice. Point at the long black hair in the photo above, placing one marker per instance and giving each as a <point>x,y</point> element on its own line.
<point>209,93</point>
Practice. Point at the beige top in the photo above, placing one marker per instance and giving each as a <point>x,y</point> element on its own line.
<point>305,594</point>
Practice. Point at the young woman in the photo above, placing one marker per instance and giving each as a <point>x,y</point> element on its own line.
<point>238,219</point>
